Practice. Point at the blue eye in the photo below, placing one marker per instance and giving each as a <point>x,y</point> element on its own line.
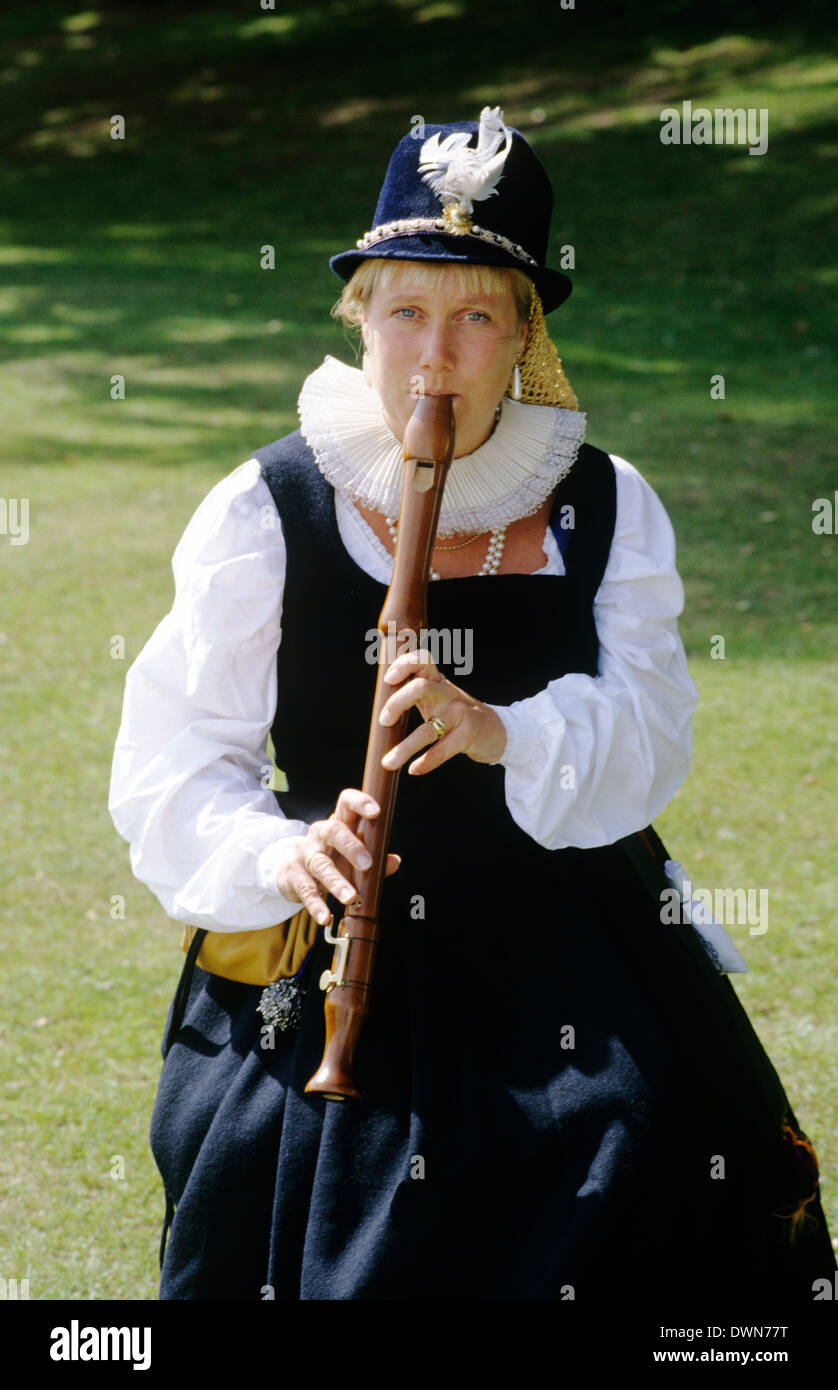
<point>408,312</point>
<point>477,314</point>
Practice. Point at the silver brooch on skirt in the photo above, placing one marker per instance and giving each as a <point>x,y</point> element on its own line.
<point>281,1005</point>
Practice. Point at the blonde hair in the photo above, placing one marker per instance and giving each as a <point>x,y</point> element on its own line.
<point>378,272</point>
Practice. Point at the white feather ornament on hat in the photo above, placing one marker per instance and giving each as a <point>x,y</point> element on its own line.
<point>459,174</point>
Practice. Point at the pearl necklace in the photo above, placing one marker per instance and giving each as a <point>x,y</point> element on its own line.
<point>494,554</point>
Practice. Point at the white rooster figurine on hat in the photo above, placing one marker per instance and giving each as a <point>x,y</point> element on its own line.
<point>461,176</point>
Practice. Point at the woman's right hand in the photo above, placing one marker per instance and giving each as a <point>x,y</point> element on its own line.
<point>311,869</point>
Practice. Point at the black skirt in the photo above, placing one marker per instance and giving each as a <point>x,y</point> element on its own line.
<point>563,1104</point>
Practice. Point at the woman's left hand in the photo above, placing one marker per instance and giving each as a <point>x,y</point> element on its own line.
<point>468,726</point>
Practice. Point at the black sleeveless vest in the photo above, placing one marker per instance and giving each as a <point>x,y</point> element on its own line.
<point>526,630</point>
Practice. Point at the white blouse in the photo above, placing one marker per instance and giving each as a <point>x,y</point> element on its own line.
<point>587,761</point>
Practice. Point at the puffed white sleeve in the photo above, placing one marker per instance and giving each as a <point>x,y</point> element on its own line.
<point>591,759</point>
<point>190,770</point>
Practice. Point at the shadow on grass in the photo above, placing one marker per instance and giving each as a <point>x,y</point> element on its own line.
<point>246,128</point>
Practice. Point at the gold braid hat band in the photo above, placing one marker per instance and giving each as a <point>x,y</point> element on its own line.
<point>543,381</point>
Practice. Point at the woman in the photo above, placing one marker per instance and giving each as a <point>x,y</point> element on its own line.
<point>564,1097</point>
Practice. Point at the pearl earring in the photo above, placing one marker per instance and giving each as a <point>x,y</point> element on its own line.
<point>516,383</point>
<point>365,363</point>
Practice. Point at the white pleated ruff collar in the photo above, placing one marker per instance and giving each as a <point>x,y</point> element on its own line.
<point>529,452</point>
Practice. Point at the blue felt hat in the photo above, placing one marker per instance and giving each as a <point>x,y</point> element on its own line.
<point>447,197</point>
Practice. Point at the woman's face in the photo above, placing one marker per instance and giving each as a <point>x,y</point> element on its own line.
<point>455,343</point>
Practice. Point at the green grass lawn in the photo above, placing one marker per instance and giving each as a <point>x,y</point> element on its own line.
<point>140,258</point>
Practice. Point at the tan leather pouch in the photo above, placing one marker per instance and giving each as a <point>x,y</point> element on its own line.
<point>256,957</point>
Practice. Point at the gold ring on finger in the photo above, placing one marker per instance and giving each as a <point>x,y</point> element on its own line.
<point>439,725</point>
<point>308,859</point>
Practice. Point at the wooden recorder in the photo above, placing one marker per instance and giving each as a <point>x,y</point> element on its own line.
<point>428,450</point>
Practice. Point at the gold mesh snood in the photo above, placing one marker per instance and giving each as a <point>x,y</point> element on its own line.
<point>543,381</point>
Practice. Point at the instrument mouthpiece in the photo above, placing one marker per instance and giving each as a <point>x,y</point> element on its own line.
<point>430,430</point>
